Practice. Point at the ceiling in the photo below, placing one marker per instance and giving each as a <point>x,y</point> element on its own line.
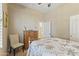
<point>43,7</point>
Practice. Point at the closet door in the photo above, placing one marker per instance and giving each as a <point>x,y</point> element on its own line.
<point>74,28</point>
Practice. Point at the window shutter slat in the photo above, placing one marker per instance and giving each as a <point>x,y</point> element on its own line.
<point>1,25</point>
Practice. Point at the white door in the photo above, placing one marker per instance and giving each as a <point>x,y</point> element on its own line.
<point>44,29</point>
<point>74,28</point>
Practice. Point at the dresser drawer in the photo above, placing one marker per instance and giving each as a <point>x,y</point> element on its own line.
<point>30,36</point>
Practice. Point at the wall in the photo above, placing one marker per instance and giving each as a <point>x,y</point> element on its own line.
<point>61,17</point>
<point>3,50</point>
<point>20,16</point>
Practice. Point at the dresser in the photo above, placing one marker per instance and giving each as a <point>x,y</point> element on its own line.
<point>29,36</point>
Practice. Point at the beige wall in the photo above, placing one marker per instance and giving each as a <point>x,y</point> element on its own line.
<point>21,16</point>
<point>60,17</point>
<point>3,50</point>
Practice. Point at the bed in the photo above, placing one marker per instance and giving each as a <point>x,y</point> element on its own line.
<point>53,47</point>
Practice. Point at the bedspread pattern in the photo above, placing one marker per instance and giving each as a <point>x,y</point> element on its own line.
<point>53,47</point>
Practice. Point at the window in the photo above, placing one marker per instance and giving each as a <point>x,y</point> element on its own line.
<point>0,25</point>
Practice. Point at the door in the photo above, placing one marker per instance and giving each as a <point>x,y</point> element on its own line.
<point>74,28</point>
<point>44,29</point>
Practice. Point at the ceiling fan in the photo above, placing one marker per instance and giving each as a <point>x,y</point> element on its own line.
<point>49,4</point>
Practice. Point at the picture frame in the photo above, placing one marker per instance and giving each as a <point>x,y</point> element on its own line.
<point>5,19</point>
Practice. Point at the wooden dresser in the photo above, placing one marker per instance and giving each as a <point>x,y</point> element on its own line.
<point>29,36</point>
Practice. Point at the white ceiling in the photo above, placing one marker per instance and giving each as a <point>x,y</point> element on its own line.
<point>42,8</point>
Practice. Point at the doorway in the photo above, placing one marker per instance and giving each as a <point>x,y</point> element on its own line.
<point>74,28</point>
<point>45,29</point>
